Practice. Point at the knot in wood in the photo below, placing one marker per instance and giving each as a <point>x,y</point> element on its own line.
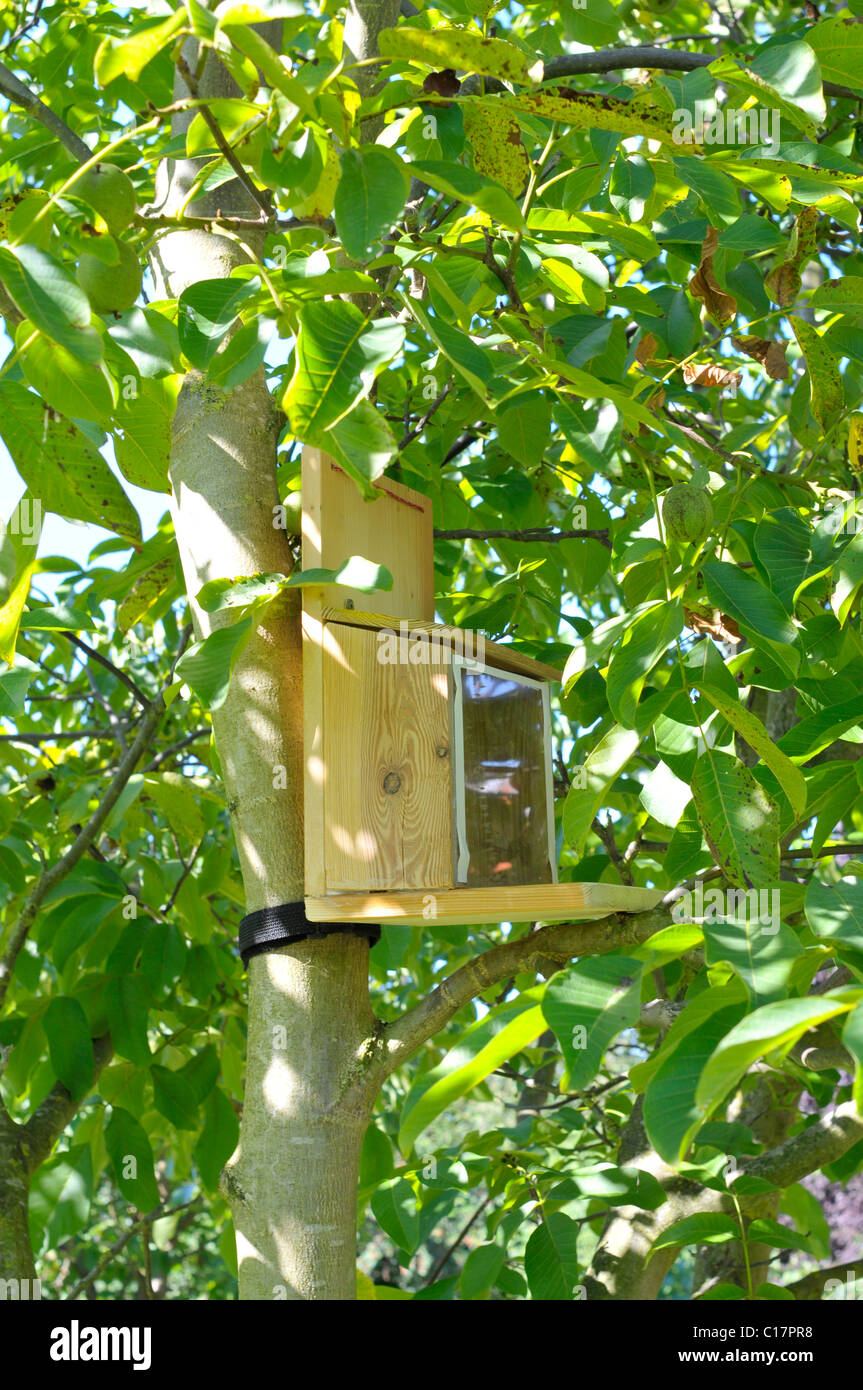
<point>392,783</point>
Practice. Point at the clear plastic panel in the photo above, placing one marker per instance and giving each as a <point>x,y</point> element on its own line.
<point>503,828</point>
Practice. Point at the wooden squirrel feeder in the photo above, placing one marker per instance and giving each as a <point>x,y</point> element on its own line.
<point>428,779</point>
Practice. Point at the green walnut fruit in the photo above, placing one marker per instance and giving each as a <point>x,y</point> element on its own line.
<point>110,288</point>
<point>293,513</point>
<point>687,513</point>
<point>110,192</point>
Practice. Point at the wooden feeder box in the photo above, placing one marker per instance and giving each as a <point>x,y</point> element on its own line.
<point>428,777</point>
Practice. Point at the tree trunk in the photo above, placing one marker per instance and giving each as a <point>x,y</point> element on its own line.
<point>16,1254</point>
<point>292,1183</point>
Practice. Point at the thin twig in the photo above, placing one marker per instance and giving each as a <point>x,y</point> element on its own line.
<point>533,533</point>
<point>216,131</point>
<point>450,1250</point>
<point>121,1243</point>
<point>121,676</point>
<point>15,91</point>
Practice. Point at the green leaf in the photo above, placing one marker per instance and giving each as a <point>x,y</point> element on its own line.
<point>174,1098</point>
<point>551,1258</point>
<point>834,911</point>
<point>144,449</point>
<point>339,354</point>
<point>395,1209</point>
<point>480,1270</point>
<point>51,299</point>
<point>483,1046</point>
<point>243,354</point>
<point>818,731</point>
<point>838,45</point>
<point>70,1046</point>
<point>827,397</point>
<point>852,1038</point>
<point>126,1004</point>
<point>847,578</point>
<point>460,48</point>
<point>671,1116</point>
<point>60,1194</point>
<point>18,547</point>
<point>765,1232</point>
<point>752,606</point>
<point>588,650</point>
<point>218,1138</point>
<point>645,642</point>
<point>370,197</point>
<point>782,548</point>
<point>128,57</point>
<point>61,466</point>
<point>82,390</point>
<point>162,955</point>
<point>207,665</point>
<point>457,181</point>
<point>586,1005</point>
<point>603,765</point>
<point>469,360</point>
<point>763,954</point>
<point>840,296</point>
<point>206,312</point>
<point>707,1228</point>
<point>363,444</point>
<point>739,820</point>
<point>773,1028</point>
<point>632,182</point>
<point>132,1160</point>
<point>749,726</point>
<point>149,339</point>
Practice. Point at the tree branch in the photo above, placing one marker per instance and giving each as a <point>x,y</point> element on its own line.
<point>823,1142</point>
<point>122,1241</point>
<point>645,56</point>
<point>811,1286</point>
<point>16,92</point>
<point>558,943</point>
<point>47,1123</point>
<point>148,726</point>
<point>120,675</point>
<point>534,533</point>
<point>216,131</point>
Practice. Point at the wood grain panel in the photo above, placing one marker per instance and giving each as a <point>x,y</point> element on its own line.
<point>387,768</point>
<point>396,531</point>
<point>492,653</point>
<point>533,902</point>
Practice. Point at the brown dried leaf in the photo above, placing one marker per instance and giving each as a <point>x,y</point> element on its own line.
<point>718,625</point>
<point>646,350</point>
<point>721,307</point>
<point>705,374</point>
<point>771,355</point>
<point>783,284</point>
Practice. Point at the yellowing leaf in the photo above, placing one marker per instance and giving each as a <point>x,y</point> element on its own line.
<point>498,151</point>
<point>825,383</point>
<point>462,49</point>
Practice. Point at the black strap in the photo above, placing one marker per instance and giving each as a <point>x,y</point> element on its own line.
<point>270,927</point>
